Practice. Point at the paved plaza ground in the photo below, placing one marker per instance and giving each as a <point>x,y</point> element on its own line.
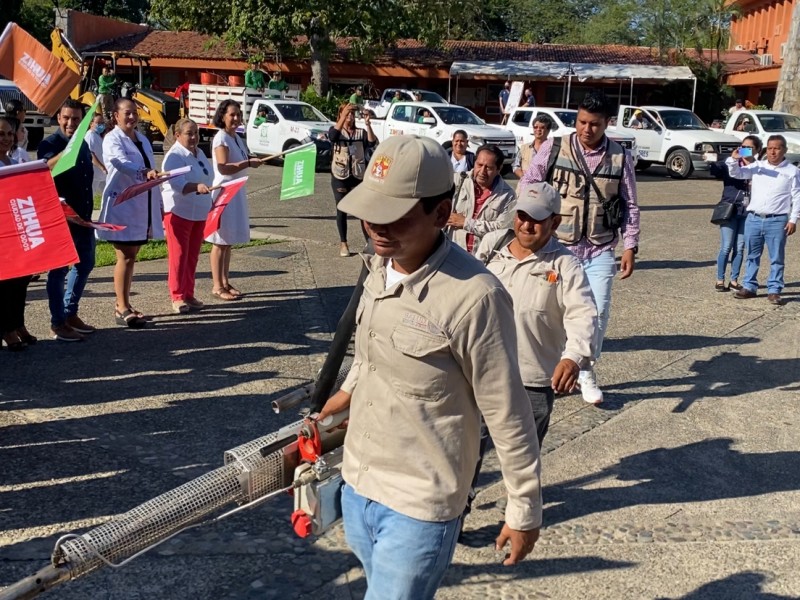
<point>682,485</point>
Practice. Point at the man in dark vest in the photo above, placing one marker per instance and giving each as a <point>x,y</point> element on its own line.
<point>595,177</point>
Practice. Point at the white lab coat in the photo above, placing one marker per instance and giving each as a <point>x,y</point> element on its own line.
<point>125,168</point>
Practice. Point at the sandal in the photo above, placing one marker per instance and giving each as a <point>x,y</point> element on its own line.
<point>13,342</point>
<point>233,291</point>
<point>720,287</point>
<point>139,313</point>
<point>224,294</point>
<point>734,286</point>
<point>26,337</point>
<point>129,319</point>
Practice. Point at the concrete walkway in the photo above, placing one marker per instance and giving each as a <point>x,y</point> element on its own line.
<point>683,484</point>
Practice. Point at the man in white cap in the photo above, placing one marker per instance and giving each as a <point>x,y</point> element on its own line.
<point>435,349</point>
<point>556,316</point>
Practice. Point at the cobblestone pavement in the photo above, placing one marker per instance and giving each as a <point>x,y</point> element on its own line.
<point>683,484</point>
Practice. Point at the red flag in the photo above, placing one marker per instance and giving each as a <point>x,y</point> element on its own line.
<point>229,189</point>
<point>140,188</point>
<point>34,236</point>
<point>71,215</point>
<point>39,74</point>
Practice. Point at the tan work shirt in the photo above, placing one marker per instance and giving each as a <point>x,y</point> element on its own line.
<point>556,316</point>
<point>433,352</point>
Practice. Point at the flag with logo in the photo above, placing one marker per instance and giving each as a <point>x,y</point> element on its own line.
<point>37,72</point>
<point>34,236</point>
<point>229,190</point>
<point>298,172</point>
<point>69,156</point>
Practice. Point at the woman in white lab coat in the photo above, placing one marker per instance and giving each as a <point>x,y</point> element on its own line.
<point>129,159</point>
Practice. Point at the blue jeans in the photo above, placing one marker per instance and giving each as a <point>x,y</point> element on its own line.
<point>759,232</point>
<point>66,305</point>
<point>600,271</point>
<point>731,236</point>
<point>403,558</point>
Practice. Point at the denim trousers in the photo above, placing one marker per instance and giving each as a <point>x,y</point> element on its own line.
<point>403,558</point>
<point>731,247</point>
<point>769,232</point>
<point>600,271</point>
<point>63,305</point>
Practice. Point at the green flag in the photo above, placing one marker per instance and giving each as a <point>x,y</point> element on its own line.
<point>70,154</point>
<point>298,172</point>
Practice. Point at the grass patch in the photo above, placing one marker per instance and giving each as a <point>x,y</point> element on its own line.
<point>98,200</point>
<point>105,256</point>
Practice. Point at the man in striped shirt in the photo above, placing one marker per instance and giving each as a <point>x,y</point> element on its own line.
<point>594,238</point>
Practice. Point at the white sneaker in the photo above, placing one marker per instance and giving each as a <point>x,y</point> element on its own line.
<point>589,390</point>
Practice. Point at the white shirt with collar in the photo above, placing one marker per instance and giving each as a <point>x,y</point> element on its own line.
<point>191,206</point>
<point>459,165</point>
<point>775,189</point>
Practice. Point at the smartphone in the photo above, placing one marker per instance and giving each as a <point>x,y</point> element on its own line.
<point>745,152</point>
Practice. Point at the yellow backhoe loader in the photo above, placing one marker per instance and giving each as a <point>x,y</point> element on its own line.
<point>157,111</point>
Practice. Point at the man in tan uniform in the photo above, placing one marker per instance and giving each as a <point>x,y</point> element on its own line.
<point>435,349</point>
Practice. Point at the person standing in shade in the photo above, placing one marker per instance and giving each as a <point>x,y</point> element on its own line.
<point>276,82</point>
<point>94,139</point>
<point>15,109</point>
<point>231,161</point>
<point>771,214</point>
<point>462,159</point>
<point>530,99</point>
<point>503,101</point>
<point>254,78</point>
<point>13,292</point>
<point>129,160</point>
<point>435,349</point>
<point>187,201</point>
<point>75,186</point>
<point>350,145</point>
<point>595,177</point>
<point>106,83</point>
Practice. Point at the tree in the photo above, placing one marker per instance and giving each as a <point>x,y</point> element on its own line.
<point>787,97</point>
<point>257,29</point>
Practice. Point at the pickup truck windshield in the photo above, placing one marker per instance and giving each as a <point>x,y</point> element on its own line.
<point>777,123</point>
<point>680,119</point>
<point>567,117</point>
<point>299,112</point>
<point>457,115</point>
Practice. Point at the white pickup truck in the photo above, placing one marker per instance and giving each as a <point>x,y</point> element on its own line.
<point>675,138</point>
<point>520,123</point>
<point>381,107</point>
<point>439,121</point>
<point>35,122</point>
<point>286,123</point>
<point>764,123</point>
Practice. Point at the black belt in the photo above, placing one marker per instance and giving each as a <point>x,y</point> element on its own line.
<point>763,216</point>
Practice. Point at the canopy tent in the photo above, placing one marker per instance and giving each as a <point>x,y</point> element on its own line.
<point>536,70</point>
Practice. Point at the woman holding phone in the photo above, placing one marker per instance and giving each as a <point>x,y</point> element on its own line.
<point>731,232</point>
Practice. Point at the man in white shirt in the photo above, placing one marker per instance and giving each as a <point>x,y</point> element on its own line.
<point>771,214</point>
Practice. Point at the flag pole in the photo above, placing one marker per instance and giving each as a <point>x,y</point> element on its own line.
<point>295,149</point>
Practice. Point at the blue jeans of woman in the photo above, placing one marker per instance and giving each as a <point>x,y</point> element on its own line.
<point>731,246</point>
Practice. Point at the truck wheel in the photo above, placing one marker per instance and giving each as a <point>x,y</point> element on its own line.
<point>144,129</point>
<point>679,164</point>
<point>35,135</point>
<point>643,165</point>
